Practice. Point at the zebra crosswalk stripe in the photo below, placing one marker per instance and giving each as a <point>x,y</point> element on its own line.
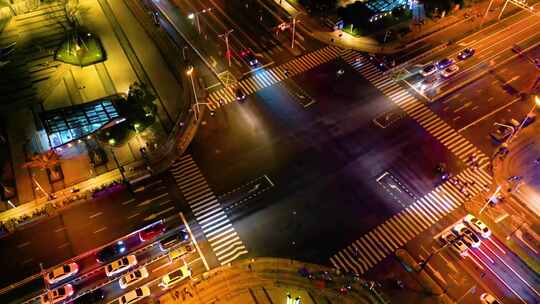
<point>208,212</point>
<point>378,243</point>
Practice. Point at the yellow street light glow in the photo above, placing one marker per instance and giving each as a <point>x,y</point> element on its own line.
<point>112,141</point>
<point>191,16</point>
<point>189,70</point>
<point>537,100</point>
<point>137,125</point>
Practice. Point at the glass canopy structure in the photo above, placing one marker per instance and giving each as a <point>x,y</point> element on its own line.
<point>67,124</point>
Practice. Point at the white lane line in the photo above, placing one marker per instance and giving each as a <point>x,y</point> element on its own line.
<point>95,215</point>
<point>148,201</point>
<point>100,229</point>
<point>128,202</point>
<point>63,245</point>
<point>132,216</point>
<point>60,229</point>
<point>21,245</point>
<point>194,241</point>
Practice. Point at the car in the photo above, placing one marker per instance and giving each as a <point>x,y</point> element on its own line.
<point>152,232</point>
<point>240,94</point>
<point>486,298</point>
<point>469,238</point>
<point>449,71</point>
<point>466,53</point>
<point>94,296</point>
<point>180,251</point>
<point>529,119</point>
<point>120,265</point>
<point>57,295</point>
<point>135,295</point>
<point>133,277</point>
<point>173,240</point>
<point>477,226</point>
<point>450,238</point>
<point>444,63</point>
<point>60,273</point>
<point>249,57</point>
<point>501,134</point>
<point>110,252</point>
<point>428,70</point>
<point>175,277</point>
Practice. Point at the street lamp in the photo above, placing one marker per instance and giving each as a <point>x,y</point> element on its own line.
<point>294,28</point>
<point>189,72</point>
<point>195,16</point>
<point>531,112</point>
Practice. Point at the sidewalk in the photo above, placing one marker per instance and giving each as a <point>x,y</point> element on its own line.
<point>269,280</point>
<point>435,32</point>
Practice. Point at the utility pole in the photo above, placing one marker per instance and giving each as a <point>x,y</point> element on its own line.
<point>226,37</point>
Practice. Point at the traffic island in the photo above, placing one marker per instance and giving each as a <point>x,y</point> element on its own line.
<point>272,280</point>
<point>81,49</point>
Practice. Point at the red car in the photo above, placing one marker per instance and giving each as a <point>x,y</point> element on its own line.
<point>151,232</point>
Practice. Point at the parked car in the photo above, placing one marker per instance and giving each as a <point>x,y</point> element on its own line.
<point>93,297</point>
<point>444,63</point>
<point>175,277</point>
<point>135,295</point>
<point>429,69</point>
<point>120,265</point>
<point>173,240</point>
<point>466,53</point>
<point>110,252</point>
<point>469,238</point>
<point>133,277</point>
<point>151,232</point>
<point>57,295</point>
<point>477,226</point>
<point>486,298</point>
<point>249,57</point>
<point>449,71</point>
<point>60,273</point>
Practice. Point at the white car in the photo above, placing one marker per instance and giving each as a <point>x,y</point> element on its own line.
<point>56,295</point>
<point>457,246</point>
<point>469,238</point>
<point>175,277</point>
<point>477,226</point>
<point>120,265</point>
<point>449,71</point>
<point>60,273</point>
<point>135,295</point>
<point>429,69</point>
<point>133,277</point>
<point>486,298</point>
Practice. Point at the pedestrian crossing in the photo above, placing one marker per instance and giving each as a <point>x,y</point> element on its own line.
<point>215,224</point>
<point>364,253</point>
<point>268,77</point>
<point>438,128</point>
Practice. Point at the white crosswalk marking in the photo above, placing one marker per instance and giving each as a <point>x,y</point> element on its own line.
<point>380,242</point>
<point>416,109</point>
<point>268,77</point>
<point>215,224</point>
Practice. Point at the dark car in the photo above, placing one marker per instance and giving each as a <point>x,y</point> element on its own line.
<point>93,297</point>
<point>173,240</point>
<point>110,252</point>
<point>151,232</point>
<point>444,63</point>
<point>466,53</point>
<point>240,94</point>
<point>501,134</point>
<point>249,57</point>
